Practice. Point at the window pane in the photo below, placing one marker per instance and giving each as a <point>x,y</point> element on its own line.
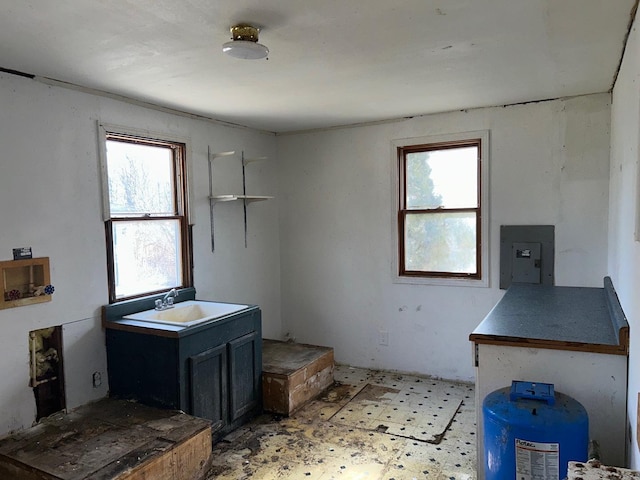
<point>140,179</point>
<point>441,242</point>
<point>146,256</point>
<point>442,178</point>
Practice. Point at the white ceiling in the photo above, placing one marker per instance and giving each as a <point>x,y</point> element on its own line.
<point>332,62</point>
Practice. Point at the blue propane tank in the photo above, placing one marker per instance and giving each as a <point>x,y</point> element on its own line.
<point>531,432</point>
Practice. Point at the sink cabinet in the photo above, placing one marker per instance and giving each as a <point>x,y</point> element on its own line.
<point>211,370</point>
<point>221,381</point>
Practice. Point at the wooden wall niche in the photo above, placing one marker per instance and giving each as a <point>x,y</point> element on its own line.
<point>24,281</point>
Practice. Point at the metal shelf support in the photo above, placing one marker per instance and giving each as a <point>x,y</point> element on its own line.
<point>246,199</point>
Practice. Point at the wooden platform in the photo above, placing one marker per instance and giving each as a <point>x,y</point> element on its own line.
<point>293,374</point>
<point>109,440</point>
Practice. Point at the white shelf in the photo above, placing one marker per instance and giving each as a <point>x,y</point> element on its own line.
<point>232,198</point>
<point>247,161</point>
<point>213,156</point>
<point>246,199</point>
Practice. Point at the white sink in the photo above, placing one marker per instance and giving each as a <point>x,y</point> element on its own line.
<point>188,313</point>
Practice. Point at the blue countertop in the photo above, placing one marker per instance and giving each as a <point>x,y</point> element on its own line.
<point>566,318</point>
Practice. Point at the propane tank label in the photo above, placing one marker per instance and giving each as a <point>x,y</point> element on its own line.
<point>537,461</point>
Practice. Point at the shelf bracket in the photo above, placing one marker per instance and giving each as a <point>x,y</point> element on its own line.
<point>211,157</point>
<point>246,199</point>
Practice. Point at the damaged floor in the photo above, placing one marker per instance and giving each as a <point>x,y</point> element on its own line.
<point>370,425</point>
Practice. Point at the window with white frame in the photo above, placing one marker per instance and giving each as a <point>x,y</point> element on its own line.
<point>441,211</point>
<point>146,222</point>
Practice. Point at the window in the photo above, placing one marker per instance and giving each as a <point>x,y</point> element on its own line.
<point>146,222</point>
<point>440,208</point>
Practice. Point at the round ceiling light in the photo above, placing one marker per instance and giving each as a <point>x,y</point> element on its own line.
<point>244,43</point>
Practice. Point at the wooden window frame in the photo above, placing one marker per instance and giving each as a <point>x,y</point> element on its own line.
<point>400,148</point>
<point>181,202</point>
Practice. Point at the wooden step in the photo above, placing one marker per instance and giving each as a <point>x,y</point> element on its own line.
<point>109,440</point>
<point>293,374</point>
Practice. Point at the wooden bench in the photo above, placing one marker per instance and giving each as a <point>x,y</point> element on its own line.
<point>293,374</point>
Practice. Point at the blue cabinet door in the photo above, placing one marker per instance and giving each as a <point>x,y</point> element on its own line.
<point>244,374</point>
<point>208,389</point>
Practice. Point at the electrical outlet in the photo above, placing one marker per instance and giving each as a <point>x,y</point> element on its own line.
<point>384,338</point>
<point>97,379</point>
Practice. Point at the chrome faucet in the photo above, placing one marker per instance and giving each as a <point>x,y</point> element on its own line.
<point>167,300</point>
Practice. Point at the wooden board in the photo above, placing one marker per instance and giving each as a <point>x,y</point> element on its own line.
<point>109,439</point>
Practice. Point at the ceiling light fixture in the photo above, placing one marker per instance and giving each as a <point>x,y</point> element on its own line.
<point>244,43</point>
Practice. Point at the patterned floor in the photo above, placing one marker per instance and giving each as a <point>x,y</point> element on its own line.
<point>315,444</point>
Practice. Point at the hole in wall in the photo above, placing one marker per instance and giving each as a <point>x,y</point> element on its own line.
<point>46,370</point>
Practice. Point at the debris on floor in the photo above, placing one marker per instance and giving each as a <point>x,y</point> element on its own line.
<point>314,444</point>
<point>594,470</point>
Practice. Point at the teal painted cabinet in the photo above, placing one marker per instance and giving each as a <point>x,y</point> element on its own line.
<point>211,370</point>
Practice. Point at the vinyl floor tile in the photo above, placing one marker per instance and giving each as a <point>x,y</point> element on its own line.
<point>308,445</point>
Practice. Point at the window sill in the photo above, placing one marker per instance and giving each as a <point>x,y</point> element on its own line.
<point>444,282</point>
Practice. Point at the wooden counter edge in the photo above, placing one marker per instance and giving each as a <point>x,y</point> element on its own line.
<point>621,349</point>
<point>127,327</point>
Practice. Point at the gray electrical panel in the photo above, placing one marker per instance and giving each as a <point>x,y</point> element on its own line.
<point>526,254</point>
<point>525,262</point>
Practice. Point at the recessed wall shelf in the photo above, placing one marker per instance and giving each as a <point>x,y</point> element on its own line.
<point>246,199</point>
<point>24,282</point>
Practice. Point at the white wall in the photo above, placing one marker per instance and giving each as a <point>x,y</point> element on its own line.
<point>331,246</point>
<point>549,165</point>
<point>50,200</point>
<point>624,250</point>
